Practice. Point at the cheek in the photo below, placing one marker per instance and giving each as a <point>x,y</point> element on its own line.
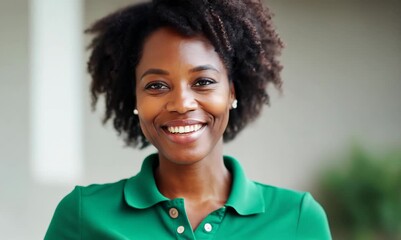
<point>218,106</point>
<point>148,109</point>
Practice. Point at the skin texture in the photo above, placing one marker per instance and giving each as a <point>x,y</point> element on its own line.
<point>181,81</point>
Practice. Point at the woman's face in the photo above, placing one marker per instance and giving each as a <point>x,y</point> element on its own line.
<point>183,96</point>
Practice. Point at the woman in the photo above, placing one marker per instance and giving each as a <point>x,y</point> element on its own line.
<point>185,76</point>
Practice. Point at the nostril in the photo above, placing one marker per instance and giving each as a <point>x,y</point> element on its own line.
<point>182,104</point>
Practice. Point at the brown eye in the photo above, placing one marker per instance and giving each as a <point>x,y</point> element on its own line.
<point>204,82</point>
<point>156,86</point>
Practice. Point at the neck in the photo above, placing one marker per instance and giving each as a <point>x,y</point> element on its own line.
<point>205,180</point>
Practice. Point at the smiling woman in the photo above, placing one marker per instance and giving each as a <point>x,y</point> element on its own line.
<point>182,85</point>
<point>185,76</point>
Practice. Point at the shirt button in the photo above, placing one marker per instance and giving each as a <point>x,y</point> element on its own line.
<point>180,229</point>
<point>173,212</point>
<point>208,227</point>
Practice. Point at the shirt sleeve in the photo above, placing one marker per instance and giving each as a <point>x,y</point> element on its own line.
<point>66,220</point>
<point>312,222</point>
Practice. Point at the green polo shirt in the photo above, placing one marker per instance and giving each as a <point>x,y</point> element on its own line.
<point>135,209</point>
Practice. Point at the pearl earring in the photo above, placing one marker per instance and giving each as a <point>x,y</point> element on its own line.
<point>234,105</point>
<point>135,111</point>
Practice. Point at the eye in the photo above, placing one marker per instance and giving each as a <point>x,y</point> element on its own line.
<point>204,82</point>
<point>156,86</point>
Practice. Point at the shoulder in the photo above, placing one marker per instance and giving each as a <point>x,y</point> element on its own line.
<point>67,219</point>
<point>312,220</point>
<point>95,190</point>
<point>94,194</point>
<point>305,212</point>
<point>278,193</point>
<point>280,199</point>
<point>74,198</point>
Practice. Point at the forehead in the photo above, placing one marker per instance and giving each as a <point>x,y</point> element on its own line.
<point>166,48</point>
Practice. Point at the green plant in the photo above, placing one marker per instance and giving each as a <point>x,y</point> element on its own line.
<point>362,197</point>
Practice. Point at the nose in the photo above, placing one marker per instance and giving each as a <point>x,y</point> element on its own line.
<point>181,100</point>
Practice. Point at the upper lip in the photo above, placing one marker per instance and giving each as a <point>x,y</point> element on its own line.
<point>182,122</point>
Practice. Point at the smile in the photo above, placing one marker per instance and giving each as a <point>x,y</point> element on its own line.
<point>184,129</point>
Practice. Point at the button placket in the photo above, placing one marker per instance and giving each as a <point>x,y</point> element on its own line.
<point>173,212</point>
<point>180,229</point>
<point>208,227</point>
<point>176,213</point>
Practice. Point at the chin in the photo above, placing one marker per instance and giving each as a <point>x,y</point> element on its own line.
<point>185,156</point>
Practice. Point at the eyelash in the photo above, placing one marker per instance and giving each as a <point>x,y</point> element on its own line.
<point>208,81</point>
<point>156,86</point>
<point>161,86</point>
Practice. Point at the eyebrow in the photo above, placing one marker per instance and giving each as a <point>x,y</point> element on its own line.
<point>203,68</point>
<point>154,71</point>
<point>158,71</point>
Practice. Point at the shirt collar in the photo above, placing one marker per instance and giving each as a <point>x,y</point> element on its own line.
<point>246,197</point>
<point>141,191</point>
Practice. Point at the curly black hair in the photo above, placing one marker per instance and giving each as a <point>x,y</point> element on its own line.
<point>241,32</point>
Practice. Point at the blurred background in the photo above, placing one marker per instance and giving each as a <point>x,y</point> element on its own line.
<point>342,85</point>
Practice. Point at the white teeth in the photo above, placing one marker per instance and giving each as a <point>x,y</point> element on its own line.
<point>185,129</point>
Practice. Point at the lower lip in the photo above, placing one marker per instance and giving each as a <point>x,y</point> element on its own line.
<point>184,138</point>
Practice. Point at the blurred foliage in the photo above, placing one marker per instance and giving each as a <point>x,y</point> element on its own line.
<point>362,196</point>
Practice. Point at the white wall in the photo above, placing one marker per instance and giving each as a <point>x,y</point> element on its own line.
<point>14,117</point>
<point>342,81</point>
